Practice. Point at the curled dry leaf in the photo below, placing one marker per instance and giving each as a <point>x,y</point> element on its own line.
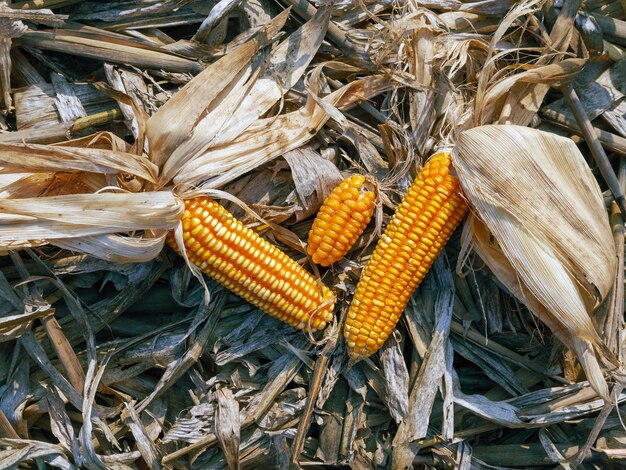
<point>544,208</point>
<point>176,119</point>
<point>554,74</point>
<point>21,158</point>
<point>212,131</point>
<point>227,426</point>
<point>268,138</point>
<point>314,178</point>
<point>113,247</point>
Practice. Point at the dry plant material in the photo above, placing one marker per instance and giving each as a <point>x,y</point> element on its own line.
<point>238,258</point>
<point>189,142</point>
<point>100,45</point>
<point>314,179</point>
<point>35,106</point>
<point>12,27</point>
<point>561,275</point>
<point>430,211</point>
<point>271,109</point>
<point>341,220</point>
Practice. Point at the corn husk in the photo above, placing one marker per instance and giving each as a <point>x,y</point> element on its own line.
<point>268,138</point>
<point>228,97</point>
<point>41,158</point>
<point>534,193</point>
<point>90,222</point>
<point>214,130</point>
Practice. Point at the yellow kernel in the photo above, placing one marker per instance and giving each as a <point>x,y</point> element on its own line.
<point>251,267</point>
<point>423,221</point>
<point>340,221</point>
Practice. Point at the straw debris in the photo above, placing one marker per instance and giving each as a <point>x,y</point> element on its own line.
<point>115,354</point>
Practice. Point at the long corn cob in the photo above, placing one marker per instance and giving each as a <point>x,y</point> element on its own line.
<point>341,220</point>
<point>424,221</point>
<point>251,267</point>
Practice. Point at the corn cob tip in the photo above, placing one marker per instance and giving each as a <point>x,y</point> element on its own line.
<point>424,221</point>
<point>341,220</point>
<point>251,267</point>
<point>354,356</point>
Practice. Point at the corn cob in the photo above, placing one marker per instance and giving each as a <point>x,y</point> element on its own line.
<point>251,267</point>
<point>341,220</point>
<point>424,221</point>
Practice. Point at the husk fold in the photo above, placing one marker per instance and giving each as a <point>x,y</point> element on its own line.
<point>535,195</point>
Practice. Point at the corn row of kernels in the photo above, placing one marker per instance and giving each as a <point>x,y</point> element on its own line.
<point>340,221</point>
<point>251,267</point>
<point>424,221</point>
<point>262,274</point>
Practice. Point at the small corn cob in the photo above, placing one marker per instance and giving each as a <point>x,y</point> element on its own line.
<point>251,267</point>
<point>341,220</point>
<point>424,221</point>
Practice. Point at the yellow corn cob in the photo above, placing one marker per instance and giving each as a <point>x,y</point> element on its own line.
<point>341,220</point>
<point>251,267</point>
<point>424,221</point>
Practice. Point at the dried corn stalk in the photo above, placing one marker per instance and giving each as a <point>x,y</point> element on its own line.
<point>554,247</point>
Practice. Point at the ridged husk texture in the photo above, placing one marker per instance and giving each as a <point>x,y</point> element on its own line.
<point>540,224</point>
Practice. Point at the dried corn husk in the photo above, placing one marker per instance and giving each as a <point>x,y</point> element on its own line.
<point>89,222</point>
<point>553,246</point>
<point>229,97</point>
<point>268,138</point>
<point>20,158</point>
<point>211,132</point>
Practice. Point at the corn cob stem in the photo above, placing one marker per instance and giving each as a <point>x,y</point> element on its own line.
<point>341,220</point>
<point>251,267</point>
<point>424,221</point>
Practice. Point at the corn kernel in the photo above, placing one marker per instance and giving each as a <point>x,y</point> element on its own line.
<point>251,267</point>
<point>341,220</point>
<point>423,222</point>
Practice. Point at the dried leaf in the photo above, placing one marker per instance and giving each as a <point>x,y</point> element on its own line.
<point>270,137</point>
<point>35,106</point>
<point>14,326</point>
<point>252,96</point>
<point>100,45</point>
<point>32,221</point>
<point>314,178</point>
<point>175,120</point>
<point>23,158</point>
<point>145,445</point>
<point>67,103</point>
<point>569,271</point>
<point>423,392</point>
<point>396,379</point>
<point>227,426</point>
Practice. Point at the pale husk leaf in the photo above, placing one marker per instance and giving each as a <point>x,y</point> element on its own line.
<point>268,138</point>
<point>83,215</point>
<point>25,185</point>
<point>476,236</point>
<point>314,178</point>
<point>554,74</point>
<point>251,95</point>
<point>20,158</point>
<point>114,248</point>
<point>282,70</point>
<point>175,120</point>
<point>545,209</point>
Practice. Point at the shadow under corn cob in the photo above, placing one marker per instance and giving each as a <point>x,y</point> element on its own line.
<point>251,267</point>
<point>430,211</point>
